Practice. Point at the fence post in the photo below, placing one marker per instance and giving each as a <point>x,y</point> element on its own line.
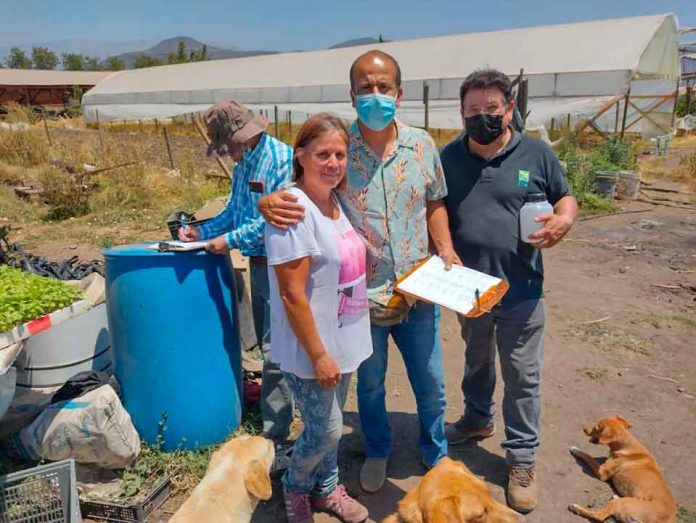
<point>169,147</point>
<point>625,113</point>
<point>101,138</point>
<point>275,119</point>
<point>48,135</point>
<point>426,96</point>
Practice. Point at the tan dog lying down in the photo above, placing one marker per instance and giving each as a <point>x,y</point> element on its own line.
<point>236,479</point>
<point>645,496</point>
<point>450,493</point>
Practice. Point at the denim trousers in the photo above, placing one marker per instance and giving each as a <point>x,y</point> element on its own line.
<point>277,406</point>
<point>517,330</point>
<point>313,467</point>
<point>418,340</point>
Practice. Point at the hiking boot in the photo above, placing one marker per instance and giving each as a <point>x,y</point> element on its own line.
<point>341,505</point>
<point>522,489</point>
<point>459,432</point>
<point>297,507</point>
<point>373,473</point>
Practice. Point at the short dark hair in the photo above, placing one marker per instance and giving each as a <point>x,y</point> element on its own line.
<point>381,54</point>
<point>485,79</point>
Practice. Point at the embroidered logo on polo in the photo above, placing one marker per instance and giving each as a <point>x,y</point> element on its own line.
<point>522,178</point>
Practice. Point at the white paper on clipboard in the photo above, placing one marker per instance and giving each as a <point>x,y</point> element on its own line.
<point>175,245</point>
<point>456,289</point>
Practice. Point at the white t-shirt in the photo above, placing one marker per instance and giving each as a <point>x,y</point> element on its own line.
<point>336,288</point>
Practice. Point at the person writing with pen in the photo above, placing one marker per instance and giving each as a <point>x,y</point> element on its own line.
<point>263,164</point>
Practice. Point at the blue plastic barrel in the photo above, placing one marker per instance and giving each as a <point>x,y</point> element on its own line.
<point>175,343</point>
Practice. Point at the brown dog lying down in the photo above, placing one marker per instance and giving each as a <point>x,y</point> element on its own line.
<point>645,496</point>
<point>236,479</point>
<point>450,493</point>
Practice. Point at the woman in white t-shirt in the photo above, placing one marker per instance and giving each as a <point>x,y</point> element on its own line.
<point>320,325</point>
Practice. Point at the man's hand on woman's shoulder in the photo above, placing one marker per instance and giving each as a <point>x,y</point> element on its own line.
<point>280,209</point>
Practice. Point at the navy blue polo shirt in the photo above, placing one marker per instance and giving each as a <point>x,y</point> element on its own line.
<point>484,198</point>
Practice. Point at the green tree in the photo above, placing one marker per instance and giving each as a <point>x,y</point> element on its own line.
<point>43,58</point>
<point>18,59</point>
<point>380,39</point>
<point>113,64</point>
<point>80,62</point>
<point>201,55</point>
<point>74,62</point>
<point>180,56</point>
<point>144,60</point>
<point>92,63</point>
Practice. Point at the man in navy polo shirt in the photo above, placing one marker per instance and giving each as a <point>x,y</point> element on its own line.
<point>488,173</point>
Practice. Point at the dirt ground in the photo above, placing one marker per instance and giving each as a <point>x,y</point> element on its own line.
<point>621,325</point>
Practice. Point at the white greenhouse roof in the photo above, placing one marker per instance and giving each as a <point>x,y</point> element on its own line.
<point>569,66</point>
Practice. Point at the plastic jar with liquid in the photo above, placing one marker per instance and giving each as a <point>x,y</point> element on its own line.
<point>535,204</point>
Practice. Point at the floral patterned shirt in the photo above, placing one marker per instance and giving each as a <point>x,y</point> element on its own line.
<point>386,202</point>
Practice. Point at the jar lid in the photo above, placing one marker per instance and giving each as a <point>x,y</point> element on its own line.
<point>535,197</point>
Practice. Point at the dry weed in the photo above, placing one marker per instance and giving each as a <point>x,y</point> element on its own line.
<point>25,148</point>
<point>686,170</point>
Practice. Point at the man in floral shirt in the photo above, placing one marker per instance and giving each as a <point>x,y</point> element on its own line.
<point>393,196</point>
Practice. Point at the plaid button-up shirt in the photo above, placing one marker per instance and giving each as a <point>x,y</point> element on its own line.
<point>262,170</point>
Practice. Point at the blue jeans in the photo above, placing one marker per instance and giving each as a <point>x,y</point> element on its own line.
<point>277,407</point>
<point>313,467</point>
<point>517,330</point>
<point>418,340</point>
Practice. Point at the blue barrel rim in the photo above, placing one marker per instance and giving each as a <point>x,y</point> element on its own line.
<point>142,250</point>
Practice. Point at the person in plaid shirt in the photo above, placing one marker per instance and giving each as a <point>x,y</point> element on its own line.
<point>263,164</point>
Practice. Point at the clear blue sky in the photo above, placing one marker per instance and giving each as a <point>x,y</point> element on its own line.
<point>302,24</point>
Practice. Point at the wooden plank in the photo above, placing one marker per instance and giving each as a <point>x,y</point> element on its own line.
<point>643,113</point>
<point>602,110</point>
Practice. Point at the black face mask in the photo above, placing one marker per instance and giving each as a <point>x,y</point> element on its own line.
<point>484,128</point>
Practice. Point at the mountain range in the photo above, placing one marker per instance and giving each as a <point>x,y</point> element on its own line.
<point>129,51</point>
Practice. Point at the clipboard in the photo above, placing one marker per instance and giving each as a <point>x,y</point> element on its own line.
<point>466,291</point>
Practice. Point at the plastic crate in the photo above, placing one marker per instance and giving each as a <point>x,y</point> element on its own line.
<point>134,513</point>
<point>43,494</point>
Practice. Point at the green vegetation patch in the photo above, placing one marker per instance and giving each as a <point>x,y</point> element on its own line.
<point>25,297</point>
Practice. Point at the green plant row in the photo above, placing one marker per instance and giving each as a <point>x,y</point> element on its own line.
<point>25,297</point>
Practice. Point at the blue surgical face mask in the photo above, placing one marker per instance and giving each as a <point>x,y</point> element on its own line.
<point>375,110</point>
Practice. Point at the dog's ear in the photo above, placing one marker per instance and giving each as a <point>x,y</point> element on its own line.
<point>409,508</point>
<point>257,480</point>
<point>607,433</point>
<point>624,421</point>
<point>462,508</point>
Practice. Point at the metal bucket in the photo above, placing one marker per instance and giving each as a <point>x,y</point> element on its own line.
<point>606,183</point>
<point>628,185</point>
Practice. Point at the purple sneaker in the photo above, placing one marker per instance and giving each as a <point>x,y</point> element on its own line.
<point>341,505</point>
<point>297,507</point>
